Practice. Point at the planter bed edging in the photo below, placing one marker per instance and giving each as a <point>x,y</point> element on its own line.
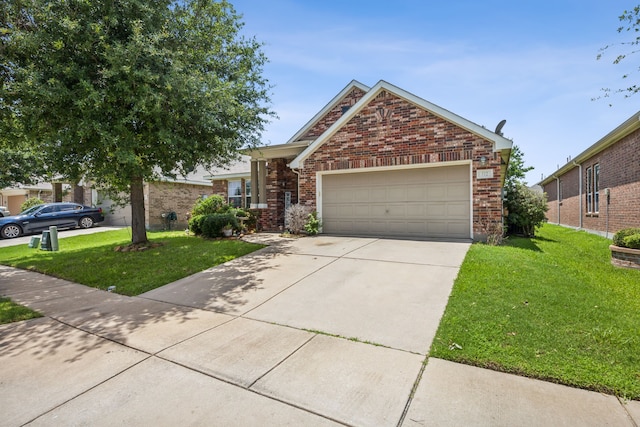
<point>625,257</point>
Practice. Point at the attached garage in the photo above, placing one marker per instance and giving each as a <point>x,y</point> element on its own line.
<point>427,202</point>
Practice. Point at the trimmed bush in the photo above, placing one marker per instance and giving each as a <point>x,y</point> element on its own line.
<point>212,224</point>
<point>210,205</point>
<point>620,236</point>
<point>31,201</point>
<point>195,224</point>
<point>312,227</point>
<point>632,242</point>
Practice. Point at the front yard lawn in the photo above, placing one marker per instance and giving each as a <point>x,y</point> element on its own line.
<point>92,261</point>
<point>551,307</point>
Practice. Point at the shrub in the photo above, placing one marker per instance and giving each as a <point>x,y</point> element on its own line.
<point>195,224</point>
<point>213,224</point>
<point>210,205</point>
<point>633,241</point>
<point>31,201</point>
<point>526,209</point>
<point>312,227</point>
<point>295,218</point>
<point>620,236</point>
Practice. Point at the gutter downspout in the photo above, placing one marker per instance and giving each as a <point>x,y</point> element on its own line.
<point>297,172</point>
<point>580,188</point>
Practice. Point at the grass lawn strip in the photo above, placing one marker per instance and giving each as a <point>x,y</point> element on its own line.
<point>11,312</point>
<point>552,307</point>
<point>92,261</point>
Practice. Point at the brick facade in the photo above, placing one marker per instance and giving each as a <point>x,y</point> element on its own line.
<point>164,197</point>
<point>392,132</point>
<point>619,171</point>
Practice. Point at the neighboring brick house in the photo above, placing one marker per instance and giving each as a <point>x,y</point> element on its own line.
<point>382,162</point>
<point>14,197</point>
<point>599,190</point>
<point>161,198</point>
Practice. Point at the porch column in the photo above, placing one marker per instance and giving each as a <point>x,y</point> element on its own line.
<point>262,184</point>
<point>255,192</point>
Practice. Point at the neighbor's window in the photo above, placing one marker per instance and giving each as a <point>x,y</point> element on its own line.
<point>596,188</point>
<point>235,193</point>
<point>593,189</point>
<point>247,192</point>
<point>588,192</point>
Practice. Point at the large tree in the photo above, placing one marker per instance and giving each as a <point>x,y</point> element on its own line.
<point>630,23</point>
<point>123,91</point>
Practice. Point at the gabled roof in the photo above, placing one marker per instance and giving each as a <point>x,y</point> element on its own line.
<point>336,99</point>
<point>500,143</point>
<point>630,125</point>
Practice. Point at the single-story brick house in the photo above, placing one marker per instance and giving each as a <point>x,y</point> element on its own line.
<point>380,161</point>
<point>599,189</point>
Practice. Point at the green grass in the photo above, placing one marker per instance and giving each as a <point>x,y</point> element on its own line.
<point>11,312</point>
<point>92,261</point>
<point>551,307</point>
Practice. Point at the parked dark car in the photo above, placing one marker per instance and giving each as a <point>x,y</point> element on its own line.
<point>41,217</point>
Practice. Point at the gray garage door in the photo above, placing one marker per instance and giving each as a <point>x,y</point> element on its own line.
<point>424,202</point>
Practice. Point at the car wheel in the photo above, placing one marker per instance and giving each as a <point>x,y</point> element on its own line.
<point>10,231</point>
<point>85,222</point>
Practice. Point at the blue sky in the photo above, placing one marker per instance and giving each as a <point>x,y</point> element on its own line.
<point>532,63</point>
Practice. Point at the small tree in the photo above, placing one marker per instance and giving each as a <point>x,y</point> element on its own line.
<point>526,207</point>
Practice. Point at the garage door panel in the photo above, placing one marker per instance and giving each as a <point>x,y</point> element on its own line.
<point>458,191</point>
<point>457,209</point>
<point>421,202</point>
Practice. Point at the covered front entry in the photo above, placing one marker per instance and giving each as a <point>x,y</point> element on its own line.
<point>431,202</point>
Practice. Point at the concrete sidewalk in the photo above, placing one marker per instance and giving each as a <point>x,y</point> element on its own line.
<point>263,340</point>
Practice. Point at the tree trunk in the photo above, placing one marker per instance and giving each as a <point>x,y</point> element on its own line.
<point>138,229</point>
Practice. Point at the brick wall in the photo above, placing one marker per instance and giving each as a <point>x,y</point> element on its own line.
<point>393,132</point>
<point>280,179</point>
<point>620,172</point>
<point>333,115</point>
<point>163,197</point>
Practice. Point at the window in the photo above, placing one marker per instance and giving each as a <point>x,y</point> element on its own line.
<point>235,193</point>
<point>560,190</point>
<point>247,192</point>
<point>593,189</point>
<point>596,188</point>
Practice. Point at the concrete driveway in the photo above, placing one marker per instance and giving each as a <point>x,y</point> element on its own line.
<point>316,332</point>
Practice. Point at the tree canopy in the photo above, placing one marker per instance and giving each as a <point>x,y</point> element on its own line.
<point>630,23</point>
<point>123,91</point>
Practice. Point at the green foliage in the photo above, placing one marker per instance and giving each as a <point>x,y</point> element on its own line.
<point>213,224</point>
<point>123,92</point>
<point>620,236</point>
<point>632,242</point>
<point>630,23</point>
<point>210,205</point>
<point>313,224</point>
<point>516,170</point>
<point>550,307</point>
<point>195,224</point>
<point>93,262</point>
<point>31,201</point>
<point>526,209</point>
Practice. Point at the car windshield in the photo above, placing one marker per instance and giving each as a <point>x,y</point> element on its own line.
<point>31,210</point>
